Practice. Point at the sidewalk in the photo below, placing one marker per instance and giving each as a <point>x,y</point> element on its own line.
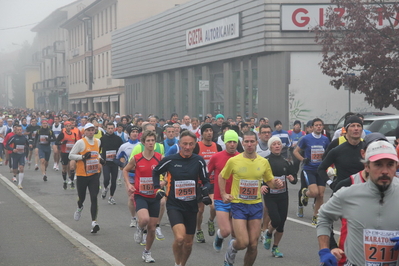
<point>28,239</point>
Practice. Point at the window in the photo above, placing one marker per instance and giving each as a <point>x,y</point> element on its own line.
<point>102,64</point>
<point>102,22</point>
<point>107,58</point>
<point>99,66</point>
<point>115,16</point>
<point>110,17</point>
<point>98,25</point>
<point>106,20</point>
<point>94,67</point>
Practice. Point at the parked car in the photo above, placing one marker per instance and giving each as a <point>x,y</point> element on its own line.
<point>386,125</point>
<point>365,115</point>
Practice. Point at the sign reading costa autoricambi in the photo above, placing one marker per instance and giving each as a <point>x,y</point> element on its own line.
<point>217,31</point>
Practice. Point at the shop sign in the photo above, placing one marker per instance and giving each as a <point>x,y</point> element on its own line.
<point>307,16</point>
<point>213,32</point>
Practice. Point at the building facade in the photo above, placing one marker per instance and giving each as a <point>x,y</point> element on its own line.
<point>91,85</point>
<point>258,57</point>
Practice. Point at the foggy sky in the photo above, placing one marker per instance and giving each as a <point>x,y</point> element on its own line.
<point>16,13</point>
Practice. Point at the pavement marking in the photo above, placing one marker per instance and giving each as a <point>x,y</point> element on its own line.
<point>307,224</point>
<point>58,225</point>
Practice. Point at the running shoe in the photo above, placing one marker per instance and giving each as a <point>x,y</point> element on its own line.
<point>77,214</point>
<point>300,212</point>
<point>211,228</point>
<point>200,236</point>
<point>230,256</point>
<point>267,241</point>
<point>158,234</point>
<point>36,167</point>
<point>20,187</point>
<point>304,197</point>
<point>138,235</point>
<point>314,220</point>
<point>69,181</point>
<point>54,166</point>
<point>276,253</point>
<point>262,236</point>
<point>218,243</point>
<point>14,179</point>
<point>111,201</point>
<point>72,185</point>
<point>104,193</point>
<point>94,227</point>
<point>44,178</point>
<point>133,222</point>
<point>147,257</point>
<point>144,239</point>
<point>65,185</point>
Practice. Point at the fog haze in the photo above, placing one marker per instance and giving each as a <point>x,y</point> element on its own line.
<point>18,17</point>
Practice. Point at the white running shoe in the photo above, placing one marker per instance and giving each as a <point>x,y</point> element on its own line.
<point>158,234</point>
<point>133,222</point>
<point>138,235</point>
<point>14,179</point>
<point>144,239</point>
<point>111,201</point>
<point>94,227</point>
<point>147,257</point>
<point>78,213</point>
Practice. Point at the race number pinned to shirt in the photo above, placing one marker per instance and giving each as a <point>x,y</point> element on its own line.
<point>185,190</point>
<point>92,164</point>
<point>146,186</point>
<point>248,189</point>
<point>110,155</point>
<point>20,149</point>
<point>43,139</point>
<point>280,190</point>
<point>69,146</point>
<point>316,153</point>
<point>378,248</point>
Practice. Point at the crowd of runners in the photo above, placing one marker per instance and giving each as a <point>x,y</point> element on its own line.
<point>239,168</point>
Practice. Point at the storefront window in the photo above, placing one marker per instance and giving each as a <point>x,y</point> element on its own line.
<point>160,95</point>
<point>254,92</point>
<point>184,90</point>
<point>217,93</point>
<point>172,93</point>
<point>237,91</point>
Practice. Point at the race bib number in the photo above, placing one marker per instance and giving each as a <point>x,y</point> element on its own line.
<point>110,155</point>
<point>185,190</point>
<point>33,134</point>
<point>378,248</point>
<point>43,139</point>
<point>20,149</point>
<point>69,146</point>
<point>92,164</point>
<point>146,186</point>
<point>248,189</point>
<point>316,154</point>
<point>280,190</point>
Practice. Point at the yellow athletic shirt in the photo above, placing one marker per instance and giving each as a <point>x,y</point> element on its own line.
<point>248,175</point>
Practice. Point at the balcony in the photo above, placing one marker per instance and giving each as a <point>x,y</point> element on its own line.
<point>48,84</point>
<point>59,46</point>
<point>60,82</point>
<point>37,86</point>
<point>37,57</point>
<point>48,52</point>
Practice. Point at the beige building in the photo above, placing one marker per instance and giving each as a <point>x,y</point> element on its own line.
<point>51,91</point>
<point>91,86</point>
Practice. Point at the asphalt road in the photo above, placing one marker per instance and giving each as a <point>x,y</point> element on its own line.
<point>37,228</point>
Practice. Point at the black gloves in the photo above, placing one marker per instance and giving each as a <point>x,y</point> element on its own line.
<point>86,156</point>
<point>160,194</point>
<point>102,161</point>
<point>306,160</point>
<point>205,196</point>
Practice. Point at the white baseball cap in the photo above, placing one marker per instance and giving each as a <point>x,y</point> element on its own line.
<point>381,150</point>
<point>88,125</point>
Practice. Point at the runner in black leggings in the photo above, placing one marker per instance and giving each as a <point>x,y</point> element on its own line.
<point>276,200</point>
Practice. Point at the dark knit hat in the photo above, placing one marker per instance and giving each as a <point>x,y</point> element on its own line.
<point>204,127</point>
<point>351,120</point>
